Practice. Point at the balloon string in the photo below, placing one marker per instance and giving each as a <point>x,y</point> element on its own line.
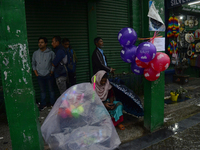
<point>151,39</point>
<point>94,83</point>
<point>93,95</point>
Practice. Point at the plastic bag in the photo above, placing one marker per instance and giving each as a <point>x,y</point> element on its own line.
<point>79,121</point>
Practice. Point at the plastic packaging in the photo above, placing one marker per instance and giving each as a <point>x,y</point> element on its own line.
<point>79,121</point>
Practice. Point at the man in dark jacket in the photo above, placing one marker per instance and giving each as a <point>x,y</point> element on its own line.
<point>60,71</point>
<point>99,61</point>
<point>72,61</point>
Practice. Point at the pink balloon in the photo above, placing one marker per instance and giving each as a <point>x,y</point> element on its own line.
<point>150,74</point>
<point>160,62</point>
<point>141,63</point>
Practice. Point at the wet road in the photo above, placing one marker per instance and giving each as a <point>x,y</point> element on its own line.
<point>184,135</point>
<point>189,139</point>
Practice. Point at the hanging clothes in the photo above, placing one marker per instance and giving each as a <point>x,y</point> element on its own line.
<point>173,28</point>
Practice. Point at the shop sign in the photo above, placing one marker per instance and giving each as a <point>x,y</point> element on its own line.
<point>191,8</point>
<point>174,3</point>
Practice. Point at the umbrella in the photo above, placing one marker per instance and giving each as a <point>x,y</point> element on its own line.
<point>131,102</point>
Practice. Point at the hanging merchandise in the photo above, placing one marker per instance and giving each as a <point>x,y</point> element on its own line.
<point>182,28</point>
<point>181,42</point>
<point>197,34</point>
<point>174,58</point>
<point>189,37</point>
<point>191,49</point>
<point>197,49</point>
<point>172,47</point>
<point>198,61</point>
<point>182,55</point>
<point>191,22</point>
<point>173,28</point>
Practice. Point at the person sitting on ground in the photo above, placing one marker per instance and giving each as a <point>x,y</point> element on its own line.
<point>105,92</point>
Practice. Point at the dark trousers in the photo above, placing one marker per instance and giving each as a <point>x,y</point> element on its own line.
<point>72,79</point>
<point>43,82</point>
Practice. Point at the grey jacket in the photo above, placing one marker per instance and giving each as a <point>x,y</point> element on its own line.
<point>42,61</point>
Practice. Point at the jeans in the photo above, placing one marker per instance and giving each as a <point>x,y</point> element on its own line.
<point>62,84</point>
<point>43,82</point>
<point>72,79</point>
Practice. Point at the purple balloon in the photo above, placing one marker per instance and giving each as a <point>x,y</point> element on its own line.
<point>128,54</point>
<point>146,51</point>
<point>137,70</point>
<point>127,36</point>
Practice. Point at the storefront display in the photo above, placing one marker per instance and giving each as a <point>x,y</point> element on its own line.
<point>183,38</point>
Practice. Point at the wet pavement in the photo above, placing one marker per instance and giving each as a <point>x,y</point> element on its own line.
<point>184,135</point>
<point>176,130</point>
<point>186,140</point>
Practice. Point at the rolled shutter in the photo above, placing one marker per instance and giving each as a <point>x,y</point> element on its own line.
<point>67,19</point>
<point>112,16</point>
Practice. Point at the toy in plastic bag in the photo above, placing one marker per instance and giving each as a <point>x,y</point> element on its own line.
<point>79,121</point>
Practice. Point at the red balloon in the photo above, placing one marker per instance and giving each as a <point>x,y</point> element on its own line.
<point>141,63</point>
<point>150,74</point>
<point>160,62</point>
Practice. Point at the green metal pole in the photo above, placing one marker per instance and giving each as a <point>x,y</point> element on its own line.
<point>92,29</point>
<point>154,103</point>
<point>22,114</point>
<point>153,91</point>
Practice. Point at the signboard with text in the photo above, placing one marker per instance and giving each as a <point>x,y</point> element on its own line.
<point>191,8</point>
<point>175,3</point>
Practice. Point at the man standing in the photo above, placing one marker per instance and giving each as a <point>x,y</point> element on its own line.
<point>72,60</point>
<point>43,69</point>
<point>60,62</point>
<point>99,61</point>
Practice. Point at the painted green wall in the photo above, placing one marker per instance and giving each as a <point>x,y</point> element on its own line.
<point>153,90</point>
<point>22,114</point>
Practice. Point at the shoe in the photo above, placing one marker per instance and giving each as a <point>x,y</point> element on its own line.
<point>121,127</point>
<point>38,104</point>
<point>41,108</point>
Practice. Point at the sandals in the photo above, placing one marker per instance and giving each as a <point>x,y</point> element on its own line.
<point>121,127</point>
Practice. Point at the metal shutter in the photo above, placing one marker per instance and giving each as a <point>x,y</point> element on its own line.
<point>112,16</point>
<point>136,18</point>
<point>59,17</point>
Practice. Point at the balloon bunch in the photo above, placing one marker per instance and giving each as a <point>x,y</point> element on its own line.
<point>144,59</point>
<point>71,105</point>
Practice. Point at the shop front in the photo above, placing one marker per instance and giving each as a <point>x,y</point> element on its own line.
<point>183,39</point>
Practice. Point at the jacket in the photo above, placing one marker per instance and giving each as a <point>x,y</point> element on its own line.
<point>42,61</point>
<point>98,62</point>
<point>57,62</point>
<point>72,60</point>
